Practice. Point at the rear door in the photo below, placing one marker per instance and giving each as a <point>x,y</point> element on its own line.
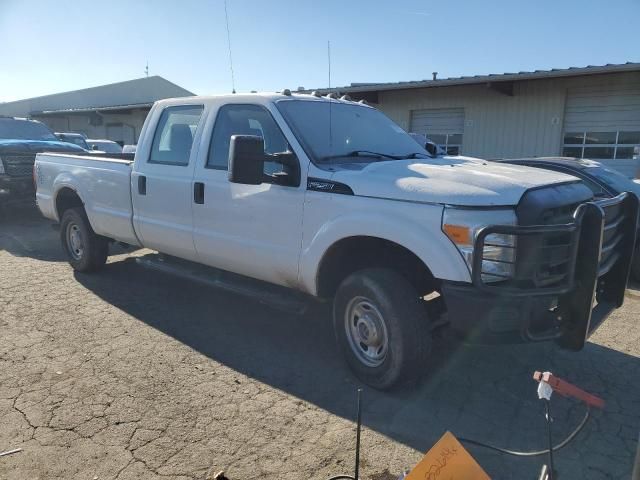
<point>161,183</point>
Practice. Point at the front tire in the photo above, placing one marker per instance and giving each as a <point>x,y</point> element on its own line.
<point>86,251</point>
<point>381,326</point>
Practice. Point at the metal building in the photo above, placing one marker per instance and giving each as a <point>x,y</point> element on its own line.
<point>591,112</point>
<point>115,111</point>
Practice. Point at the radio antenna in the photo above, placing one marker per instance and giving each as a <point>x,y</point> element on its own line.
<point>226,17</point>
<point>329,96</point>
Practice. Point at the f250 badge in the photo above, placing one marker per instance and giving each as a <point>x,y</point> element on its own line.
<point>321,185</point>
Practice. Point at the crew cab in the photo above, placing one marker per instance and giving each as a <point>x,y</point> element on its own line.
<point>329,198</point>
<point>20,140</point>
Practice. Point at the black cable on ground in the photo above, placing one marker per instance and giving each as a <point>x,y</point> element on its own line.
<point>534,453</point>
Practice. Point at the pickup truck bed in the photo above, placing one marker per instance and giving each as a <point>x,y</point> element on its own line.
<point>105,180</point>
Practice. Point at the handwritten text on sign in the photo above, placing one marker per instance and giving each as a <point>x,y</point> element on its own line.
<point>447,460</point>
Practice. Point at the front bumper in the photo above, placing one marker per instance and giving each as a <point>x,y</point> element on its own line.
<point>568,279</point>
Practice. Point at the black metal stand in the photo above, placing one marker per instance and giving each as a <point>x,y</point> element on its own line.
<point>358,425</point>
<point>547,413</point>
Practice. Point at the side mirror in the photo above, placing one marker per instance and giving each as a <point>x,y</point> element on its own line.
<point>246,159</point>
<point>432,148</point>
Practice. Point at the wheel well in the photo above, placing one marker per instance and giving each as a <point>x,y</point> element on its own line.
<point>356,253</point>
<point>66,199</point>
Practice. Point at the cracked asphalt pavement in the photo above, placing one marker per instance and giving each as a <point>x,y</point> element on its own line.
<point>132,374</point>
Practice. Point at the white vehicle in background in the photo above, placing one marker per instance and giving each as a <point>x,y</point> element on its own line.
<point>129,149</point>
<point>271,194</point>
<point>105,146</point>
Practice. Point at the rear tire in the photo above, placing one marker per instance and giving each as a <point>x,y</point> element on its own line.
<point>381,326</point>
<point>86,251</point>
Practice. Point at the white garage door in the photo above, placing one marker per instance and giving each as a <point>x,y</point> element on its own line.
<point>603,125</point>
<point>443,126</point>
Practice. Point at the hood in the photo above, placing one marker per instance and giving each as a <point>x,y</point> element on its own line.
<point>37,146</point>
<point>461,181</point>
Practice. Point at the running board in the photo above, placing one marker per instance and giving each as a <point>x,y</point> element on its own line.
<point>274,296</point>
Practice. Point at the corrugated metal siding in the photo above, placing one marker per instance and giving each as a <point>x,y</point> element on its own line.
<point>496,125</point>
<point>600,108</point>
<point>605,108</point>
<point>437,120</point>
<point>529,123</point>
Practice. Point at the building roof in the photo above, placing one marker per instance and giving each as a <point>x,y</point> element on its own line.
<point>491,78</point>
<point>137,93</point>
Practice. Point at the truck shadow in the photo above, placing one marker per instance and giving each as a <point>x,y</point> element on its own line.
<point>25,233</point>
<point>479,392</point>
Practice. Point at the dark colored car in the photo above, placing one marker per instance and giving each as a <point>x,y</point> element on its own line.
<point>20,140</point>
<point>603,181</point>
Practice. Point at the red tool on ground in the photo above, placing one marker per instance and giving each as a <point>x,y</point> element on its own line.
<point>567,389</point>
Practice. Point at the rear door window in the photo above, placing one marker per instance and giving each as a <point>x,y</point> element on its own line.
<point>174,134</point>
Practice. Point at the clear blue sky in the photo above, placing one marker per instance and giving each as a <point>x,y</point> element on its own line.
<point>49,46</point>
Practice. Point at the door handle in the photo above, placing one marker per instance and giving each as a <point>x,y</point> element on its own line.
<point>142,185</point>
<point>198,192</point>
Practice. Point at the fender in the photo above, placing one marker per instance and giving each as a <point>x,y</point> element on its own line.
<point>64,180</point>
<point>430,245</point>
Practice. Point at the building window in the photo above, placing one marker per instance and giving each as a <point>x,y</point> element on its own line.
<point>449,142</point>
<point>610,145</point>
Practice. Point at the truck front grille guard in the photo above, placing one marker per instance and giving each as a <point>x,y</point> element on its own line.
<point>577,262</point>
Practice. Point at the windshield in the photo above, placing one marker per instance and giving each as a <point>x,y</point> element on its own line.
<point>76,140</point>
<point>613,178</point>
<point>12,129</point>
<point>357,133</point>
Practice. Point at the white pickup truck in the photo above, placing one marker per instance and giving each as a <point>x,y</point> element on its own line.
<point>329,197</point>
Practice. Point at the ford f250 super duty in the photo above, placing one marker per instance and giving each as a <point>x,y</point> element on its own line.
<point>329,197</point>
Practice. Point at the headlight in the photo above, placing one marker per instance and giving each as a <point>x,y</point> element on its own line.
<point>462,226</point>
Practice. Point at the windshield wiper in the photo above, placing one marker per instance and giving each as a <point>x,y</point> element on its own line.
<point>415,155</point>
<point>363,153</point>
<point>379,155</point>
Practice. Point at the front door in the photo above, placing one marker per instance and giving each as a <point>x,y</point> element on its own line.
<point>253,230</point>
<point>161,185</point>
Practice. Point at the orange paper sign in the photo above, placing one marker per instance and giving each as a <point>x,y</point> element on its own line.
<point>447,460</point>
